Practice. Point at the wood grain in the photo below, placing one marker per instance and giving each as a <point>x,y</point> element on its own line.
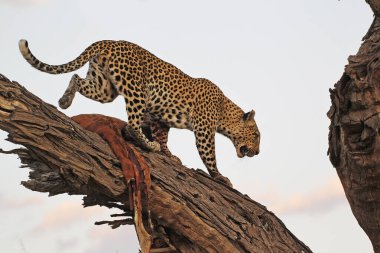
<point>189,210</point>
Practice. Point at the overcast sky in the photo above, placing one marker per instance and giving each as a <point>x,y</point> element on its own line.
<point>277,57</point>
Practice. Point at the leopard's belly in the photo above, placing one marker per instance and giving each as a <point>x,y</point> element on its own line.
<point>168,106</point>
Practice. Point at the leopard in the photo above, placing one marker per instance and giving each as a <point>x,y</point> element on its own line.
<point>157,90</point>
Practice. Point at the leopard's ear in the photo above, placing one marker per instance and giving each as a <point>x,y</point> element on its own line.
<point>249,115</point>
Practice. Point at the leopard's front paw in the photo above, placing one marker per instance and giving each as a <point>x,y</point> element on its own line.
<point>224,180</point>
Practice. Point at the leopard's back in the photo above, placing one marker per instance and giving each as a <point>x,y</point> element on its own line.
<point>155,88</point>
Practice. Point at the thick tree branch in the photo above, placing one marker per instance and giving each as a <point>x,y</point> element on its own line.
<point>190,211</point>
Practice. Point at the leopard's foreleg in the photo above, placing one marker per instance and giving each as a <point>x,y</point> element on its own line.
<point>204,131</point>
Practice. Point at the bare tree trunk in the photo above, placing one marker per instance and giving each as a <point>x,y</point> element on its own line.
<point>354,141</point>
<point>375,6</point>
<point>190,211</point>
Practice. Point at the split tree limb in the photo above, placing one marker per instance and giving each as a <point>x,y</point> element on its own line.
<point>190,211</point>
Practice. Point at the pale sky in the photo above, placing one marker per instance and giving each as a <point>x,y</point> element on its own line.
<point>277,57</point>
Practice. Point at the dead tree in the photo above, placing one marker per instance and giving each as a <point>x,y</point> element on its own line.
<point>188,210</point>
<point>354,138</point>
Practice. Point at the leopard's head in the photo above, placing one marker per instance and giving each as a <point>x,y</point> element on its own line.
<point>246,136</point>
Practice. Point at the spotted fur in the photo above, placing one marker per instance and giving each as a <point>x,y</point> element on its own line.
<point>156,89</point>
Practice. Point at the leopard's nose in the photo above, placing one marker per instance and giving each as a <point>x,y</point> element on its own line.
<point>243,150</point>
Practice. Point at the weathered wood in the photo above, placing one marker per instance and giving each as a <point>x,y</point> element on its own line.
<point>375,6</point>
<point>190,211</point>
<point>354,141</point>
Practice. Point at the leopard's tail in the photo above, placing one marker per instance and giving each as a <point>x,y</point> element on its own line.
<point>73,65</point>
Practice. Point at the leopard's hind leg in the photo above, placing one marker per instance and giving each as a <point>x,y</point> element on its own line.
<point>136,113</point>
<point>160,133</point>
<point>95,86</point>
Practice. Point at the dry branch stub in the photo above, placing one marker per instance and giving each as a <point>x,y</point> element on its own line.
<point>190,212</point>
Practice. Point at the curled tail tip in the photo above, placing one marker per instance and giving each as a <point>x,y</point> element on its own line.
<point>23,46</point>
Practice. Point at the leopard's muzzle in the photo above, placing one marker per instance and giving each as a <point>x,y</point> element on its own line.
<point>246,151</point>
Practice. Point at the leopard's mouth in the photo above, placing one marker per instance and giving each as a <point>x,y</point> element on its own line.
<point>245,151</point>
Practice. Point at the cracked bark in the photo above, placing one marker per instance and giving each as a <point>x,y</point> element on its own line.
<point>354,141</point>
<point>190,211</point>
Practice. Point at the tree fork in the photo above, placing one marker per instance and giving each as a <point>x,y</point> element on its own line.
<point>190,211</point>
